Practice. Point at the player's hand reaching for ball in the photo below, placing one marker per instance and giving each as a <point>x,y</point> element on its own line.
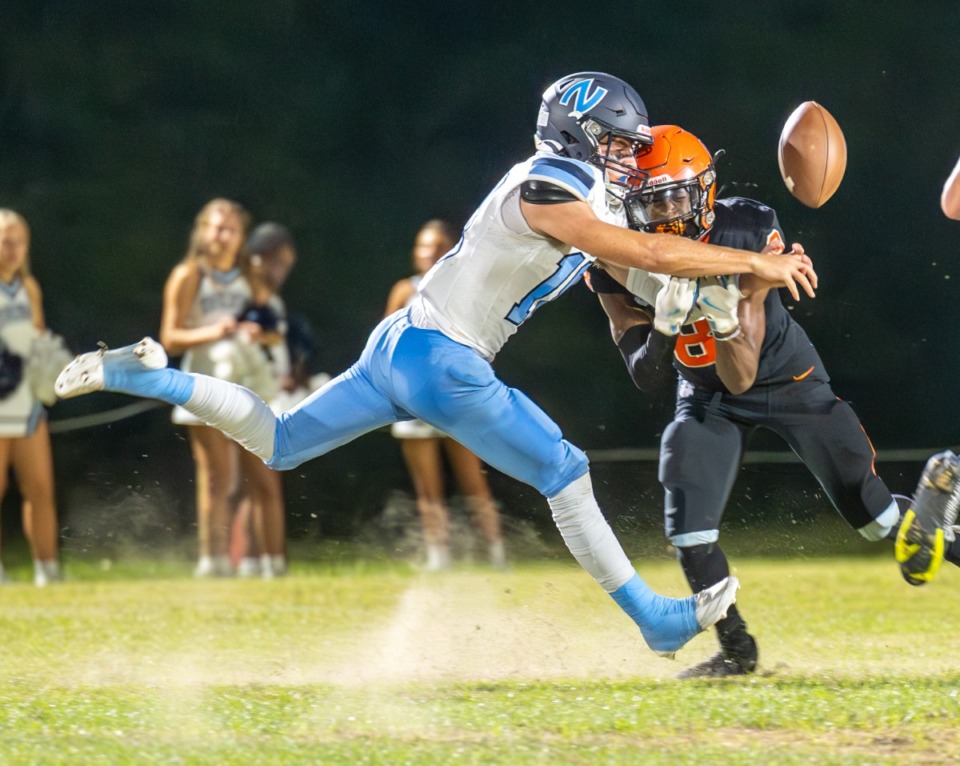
<point>793,270</point>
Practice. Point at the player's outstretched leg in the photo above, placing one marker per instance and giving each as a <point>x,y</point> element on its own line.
<point>666,623</point>
<point>927,525</point>
<point>669,623</point>
<point>140,370</point>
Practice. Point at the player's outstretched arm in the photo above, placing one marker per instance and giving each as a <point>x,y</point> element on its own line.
<point>575,224</point>
<point>950,197</point>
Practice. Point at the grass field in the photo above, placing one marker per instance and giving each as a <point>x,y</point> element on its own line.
<point>348,661</point>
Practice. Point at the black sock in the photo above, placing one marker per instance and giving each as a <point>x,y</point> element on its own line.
<point>706,565</point>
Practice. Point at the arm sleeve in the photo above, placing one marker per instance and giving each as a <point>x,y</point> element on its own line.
<point>648,355</point>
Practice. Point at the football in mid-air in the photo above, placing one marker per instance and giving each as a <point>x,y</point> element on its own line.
<point>812,154</point>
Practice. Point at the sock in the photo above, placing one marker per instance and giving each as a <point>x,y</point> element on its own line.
<point>168,384</point>
<point>45,572</point>
<point>235,410</point>
<point>497,554</point>
<point>706,565</point>
<point>438,557</point>
<point>588,536</point>
<point>272,566</point>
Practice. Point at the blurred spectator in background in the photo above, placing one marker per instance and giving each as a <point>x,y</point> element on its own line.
<point>203,300</point>
<point>258,539</point>
<point>29,356</point>
<point>950,197</point>
<point>423,446</point>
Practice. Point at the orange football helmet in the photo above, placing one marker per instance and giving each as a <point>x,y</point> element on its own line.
<point>678,194</point>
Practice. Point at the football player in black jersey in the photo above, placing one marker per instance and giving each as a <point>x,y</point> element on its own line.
<point>743,363</point>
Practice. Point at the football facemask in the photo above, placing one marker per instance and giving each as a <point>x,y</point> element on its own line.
<point>673,208</point>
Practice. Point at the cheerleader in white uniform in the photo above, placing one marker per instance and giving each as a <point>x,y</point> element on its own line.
<point>202,301</point>
<point>258,539</point>
<point>24,434</point>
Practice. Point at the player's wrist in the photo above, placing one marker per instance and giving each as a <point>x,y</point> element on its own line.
<point>727,333</point>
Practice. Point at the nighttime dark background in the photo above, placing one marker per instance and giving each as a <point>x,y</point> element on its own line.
<point>353,122</point>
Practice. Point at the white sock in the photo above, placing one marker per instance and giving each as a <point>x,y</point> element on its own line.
<point>272,566</point>
<point>45,572</point>
<point>438,557</point>
<point>498,554</point>
<point>248,566</point>
<point>214,566</point>
<point>235,410</point>
<point>588,535</point>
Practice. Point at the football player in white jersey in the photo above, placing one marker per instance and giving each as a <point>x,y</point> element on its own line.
<point>532,238</point>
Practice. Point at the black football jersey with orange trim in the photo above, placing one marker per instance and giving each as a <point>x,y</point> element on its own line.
<point>787,353</point>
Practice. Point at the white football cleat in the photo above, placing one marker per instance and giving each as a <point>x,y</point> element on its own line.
<point>84,374</point>
<point>714,602</point>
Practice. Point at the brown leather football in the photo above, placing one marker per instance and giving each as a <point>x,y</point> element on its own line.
<point>812,154</point>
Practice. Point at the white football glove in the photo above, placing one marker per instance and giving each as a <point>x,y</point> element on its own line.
<point>717,299</point>
<point>674,304</point>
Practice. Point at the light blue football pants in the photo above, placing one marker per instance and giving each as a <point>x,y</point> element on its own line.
<point>407,372</point>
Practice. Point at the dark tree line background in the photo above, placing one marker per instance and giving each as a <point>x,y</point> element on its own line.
<point>353,122</point>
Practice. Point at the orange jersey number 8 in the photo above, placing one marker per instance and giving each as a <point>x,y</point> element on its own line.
<point>695,345</point>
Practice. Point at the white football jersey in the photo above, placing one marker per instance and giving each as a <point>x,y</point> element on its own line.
<point>501,271</point>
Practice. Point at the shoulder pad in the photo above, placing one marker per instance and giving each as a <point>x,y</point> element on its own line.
<point>744,223</point>
<point>543,193</point>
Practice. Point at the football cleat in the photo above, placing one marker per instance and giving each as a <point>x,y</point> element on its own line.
<point>667,624</point>
<point>927,525</point>
<point>713,602</point>
<point>85,374</point>
<point>740,660</point>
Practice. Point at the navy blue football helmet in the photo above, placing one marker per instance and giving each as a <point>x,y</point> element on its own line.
<point>581,114</point>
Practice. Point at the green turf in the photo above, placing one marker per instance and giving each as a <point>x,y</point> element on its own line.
<point>365,661</point>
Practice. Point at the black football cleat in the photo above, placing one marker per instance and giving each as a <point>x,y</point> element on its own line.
<point>738,658</point>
